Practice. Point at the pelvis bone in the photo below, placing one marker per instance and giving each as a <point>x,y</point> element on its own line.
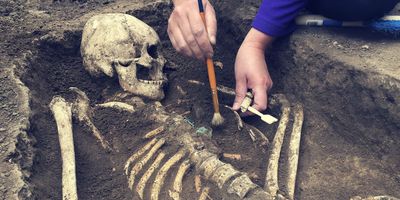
<point>122,44</point>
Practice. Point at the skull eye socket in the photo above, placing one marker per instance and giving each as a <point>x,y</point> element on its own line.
<point>152,50</point>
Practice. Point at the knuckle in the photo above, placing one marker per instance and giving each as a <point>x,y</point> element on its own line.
<point>198,31</point>
<point>178,11</point>
<point>191,41</point>
<point>180,48</point>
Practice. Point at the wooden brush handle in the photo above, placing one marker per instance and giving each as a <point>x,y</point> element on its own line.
<point>211,74</point>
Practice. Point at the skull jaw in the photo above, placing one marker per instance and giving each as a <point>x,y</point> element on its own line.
<point>151,91</point>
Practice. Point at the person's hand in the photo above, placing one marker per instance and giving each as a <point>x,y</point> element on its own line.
<point>187,32</point>
<point>251,70</point>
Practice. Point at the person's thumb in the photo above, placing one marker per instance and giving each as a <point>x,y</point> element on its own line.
<point>211,23</point>
<point>241,89</point>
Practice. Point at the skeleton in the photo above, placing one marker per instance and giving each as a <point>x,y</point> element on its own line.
<point>153,159</point>
<point>120,44</point>
<point>205,162</point>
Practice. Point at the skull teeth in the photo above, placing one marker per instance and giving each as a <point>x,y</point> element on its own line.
<point>151,82</point>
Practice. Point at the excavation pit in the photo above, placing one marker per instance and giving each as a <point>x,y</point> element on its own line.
<point>350,142</point>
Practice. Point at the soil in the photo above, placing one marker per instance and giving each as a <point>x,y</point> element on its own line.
<point>346,150</point>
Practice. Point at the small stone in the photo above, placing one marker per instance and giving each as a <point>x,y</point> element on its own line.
<point>365,47</point>
<point>2,129</point>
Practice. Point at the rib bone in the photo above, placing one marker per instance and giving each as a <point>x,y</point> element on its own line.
<point>82,111</point>
<point>142,183</point>
<point>159,180</point>
<point>177,187</point>
<point>117,105</point>
<point>294,146</point>
<point>138,154</point>
<point>204,193</point>
<point>62,112</point>
<point>139,166</point>
<point>271,179</point>
<point>154,132</point>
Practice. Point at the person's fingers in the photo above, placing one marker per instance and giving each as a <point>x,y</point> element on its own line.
<point>177,39</point>
<point>211,22</point>
<point>190,39</point>
<point>241,90</point>
<point>260,98</point>
<point>200,34</point>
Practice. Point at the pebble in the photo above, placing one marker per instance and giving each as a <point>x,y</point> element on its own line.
<point>365,47</point>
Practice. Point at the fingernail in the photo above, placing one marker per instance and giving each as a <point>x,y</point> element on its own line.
<point>213,40</point>
<point>235,106</point>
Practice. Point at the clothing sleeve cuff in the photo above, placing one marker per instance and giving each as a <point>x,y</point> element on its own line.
<point>270,29</point>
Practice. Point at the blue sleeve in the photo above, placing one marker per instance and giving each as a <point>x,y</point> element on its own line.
<point>276,17</point>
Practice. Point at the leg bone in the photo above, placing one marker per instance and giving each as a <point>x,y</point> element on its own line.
<point>294,147</point>
<point>63,116</point>
<point>271,179</point>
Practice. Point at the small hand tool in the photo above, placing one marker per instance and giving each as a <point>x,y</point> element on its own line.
<point>217,119</point>
<point>246,107</point>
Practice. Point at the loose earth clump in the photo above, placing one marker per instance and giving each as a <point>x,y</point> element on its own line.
<point>333,162</point>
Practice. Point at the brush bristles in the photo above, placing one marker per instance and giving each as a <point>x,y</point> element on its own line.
<point>217,119</point>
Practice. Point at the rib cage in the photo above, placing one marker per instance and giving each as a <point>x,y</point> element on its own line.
<point>156,164</point>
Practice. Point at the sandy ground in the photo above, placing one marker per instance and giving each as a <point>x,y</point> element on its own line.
<point>347,80</point>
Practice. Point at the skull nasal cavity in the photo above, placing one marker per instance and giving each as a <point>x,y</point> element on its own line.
<point>152,50</point>
<point>143,72</point>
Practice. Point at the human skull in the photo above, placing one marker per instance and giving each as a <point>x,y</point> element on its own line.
<point>122,44</point>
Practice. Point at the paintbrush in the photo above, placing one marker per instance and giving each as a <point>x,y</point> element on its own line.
<point>217,119</point>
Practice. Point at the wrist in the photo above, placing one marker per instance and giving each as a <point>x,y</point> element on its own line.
<point>257,39</point>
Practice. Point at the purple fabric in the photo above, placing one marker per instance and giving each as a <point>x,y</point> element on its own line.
<point>276,17</point>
